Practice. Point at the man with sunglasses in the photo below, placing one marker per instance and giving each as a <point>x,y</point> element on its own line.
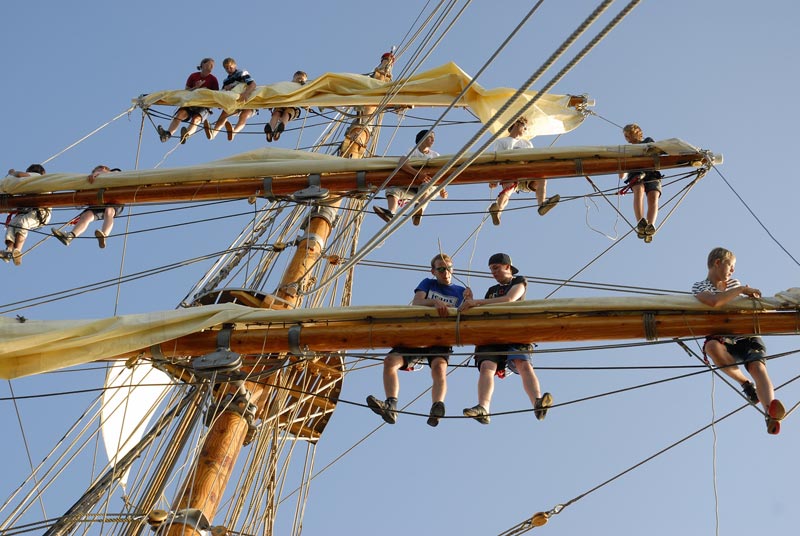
<point>442,294</point>
<point>492,359</point>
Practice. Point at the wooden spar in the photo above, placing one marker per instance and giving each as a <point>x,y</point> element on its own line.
<point>343,183</point>
<point>487,328</point>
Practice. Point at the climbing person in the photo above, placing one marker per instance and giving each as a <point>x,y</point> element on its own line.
<point>202,79</point>
<point>539,186</point>
<point>729,351</point>
<point>281,116</point>
<point>494,359</point>
<point>236,78</point>
<point>398,196</point>
<point>23,219</point>
<point>642,184</point>
<point>442,294</point>
<point>104,213</point>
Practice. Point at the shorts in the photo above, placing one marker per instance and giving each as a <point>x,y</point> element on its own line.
<point>650,179</point>
<point>402,194</point>
<point>294,113</point>
<point>25,220</point>
<point>195,111</point>
<point>100,212</point>
<point>744,350</point>
<point>414,356</point>
<point>504,355</point>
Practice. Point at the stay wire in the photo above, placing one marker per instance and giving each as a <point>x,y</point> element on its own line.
<point>753,214</point>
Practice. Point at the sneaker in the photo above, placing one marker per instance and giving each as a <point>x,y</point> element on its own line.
<point>542,405</point>
<point>640,227</point>
<point>775,413</point>
<point>478,413</point>
<point>64,238</point>
<point>750,392</point>
<point>494,212</point>
<point>549,204</point>
<point>229,130</point>
<point>163,134</point>
<point>101,238</point>
<point>437,411</point>
<point>184,135</point>
<point>6,256</point>
<point>650,230</point>
<point>16,255</point>
<point>415,219</point>
<point>207,129</point>
<point>383,213</point>
<point>387,409</point>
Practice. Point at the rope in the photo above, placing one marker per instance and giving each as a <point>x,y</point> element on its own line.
<point>98,129</point>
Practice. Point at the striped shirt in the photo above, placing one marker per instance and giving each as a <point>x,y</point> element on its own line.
<point>707,286</point>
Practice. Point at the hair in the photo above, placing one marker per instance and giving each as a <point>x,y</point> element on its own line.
<point>228,61</point>
<point>523,120</point>
<point>203,62</point>
<point>101,167</point>
<point>719,254</point>
<point>444,257</point>
<point>421,135</point>
<point>632,127</point>
<point>35,168</point>
<point>300,73</point>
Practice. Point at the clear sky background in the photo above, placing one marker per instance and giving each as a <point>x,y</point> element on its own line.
<point>720,75</point>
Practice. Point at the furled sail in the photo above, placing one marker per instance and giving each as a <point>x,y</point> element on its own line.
<point>437,87</point>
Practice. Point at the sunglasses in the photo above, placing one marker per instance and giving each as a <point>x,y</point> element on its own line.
<point>443,269</point>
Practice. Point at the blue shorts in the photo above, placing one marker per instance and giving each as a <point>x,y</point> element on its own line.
<point>743,350</point>
<point>505,355</point>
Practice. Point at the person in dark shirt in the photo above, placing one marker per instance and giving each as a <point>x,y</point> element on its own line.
<point>643,184</point>
<point>236,78</point>
<point>492,359</point>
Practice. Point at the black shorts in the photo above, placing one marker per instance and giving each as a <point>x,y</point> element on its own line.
<point>744,350</point>
<point>414,356</point>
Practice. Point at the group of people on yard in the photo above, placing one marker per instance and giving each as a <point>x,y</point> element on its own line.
<point>238,80</point>
<point>718,288</point>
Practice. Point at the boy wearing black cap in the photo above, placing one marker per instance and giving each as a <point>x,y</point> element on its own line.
<point>492,359</point>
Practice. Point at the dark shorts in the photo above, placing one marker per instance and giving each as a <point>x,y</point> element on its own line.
<point>195,111</point>
<point>100,212</point>
<point>744,350</point>
<point>415,356</point>
<point>505,355</point>
<point>651,180</point>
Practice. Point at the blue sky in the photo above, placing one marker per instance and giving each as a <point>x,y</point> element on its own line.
<point>716,74</point>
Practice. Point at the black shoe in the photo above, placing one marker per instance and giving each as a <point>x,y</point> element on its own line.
<point>383,213</point>
<point>437,411</point>
<point>387,409</point>
<point>268,132</point>
<point>163,134</point>
<point>478,413</point>
<point>184,135</point>
<point>277,134</point>
<point>542,405</point>
<point>750,392</point>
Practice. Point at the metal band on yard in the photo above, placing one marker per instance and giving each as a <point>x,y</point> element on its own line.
<point>649,321</point>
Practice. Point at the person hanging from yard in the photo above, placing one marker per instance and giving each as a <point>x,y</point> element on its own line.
<point>105,213</point>
<point>539,186</point>
<point>643,184</point>
<point>493,359</point>
<point>398,196</point>
<point>235,79</point>
<point>23,219</point>
<point>442,294</point>
<point>728,351</point>
<point>281,116</point>
<point>203,79</point>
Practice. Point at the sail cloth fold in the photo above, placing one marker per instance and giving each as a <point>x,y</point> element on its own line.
<point>270,162</point>
<point>35,346</point>
<point>437,87</point>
